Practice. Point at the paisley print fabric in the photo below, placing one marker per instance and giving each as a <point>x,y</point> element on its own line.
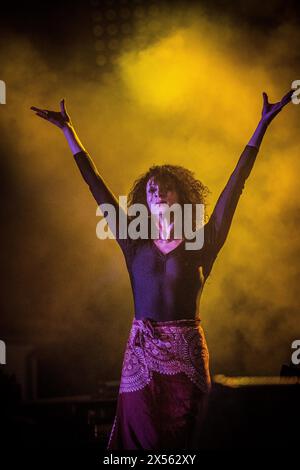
<point>164,387</point>
<point>168,348</point>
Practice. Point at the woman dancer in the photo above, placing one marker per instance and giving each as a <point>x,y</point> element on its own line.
<point>165,377</point>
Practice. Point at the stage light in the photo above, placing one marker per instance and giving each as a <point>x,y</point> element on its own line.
<point>98,30</point>
<point>126,28</point>
<point>153,10</point>
<point>97,16</point>
<point>133,19</point>
<point>101,60</point>
<point>110,14</point>
<point>139,12</point>
<point>124,13</point>
<point>112,29</point>
<point>113,44</point>
<point>141,26</point>
<point>113,59</point>
<point>100,45</point>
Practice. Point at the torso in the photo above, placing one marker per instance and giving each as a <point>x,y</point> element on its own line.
<point>166,281</point>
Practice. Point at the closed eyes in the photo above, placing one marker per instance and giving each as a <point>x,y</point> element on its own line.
<point>152,189</point>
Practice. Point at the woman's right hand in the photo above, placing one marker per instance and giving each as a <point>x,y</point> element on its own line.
<point>60,119</point>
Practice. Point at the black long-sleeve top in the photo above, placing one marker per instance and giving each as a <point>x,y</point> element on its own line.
<point>169,286</point>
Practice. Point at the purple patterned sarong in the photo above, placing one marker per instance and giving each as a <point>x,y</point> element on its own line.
<point>164,386</point>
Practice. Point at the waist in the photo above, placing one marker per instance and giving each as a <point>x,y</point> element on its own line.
<point>181,323</point>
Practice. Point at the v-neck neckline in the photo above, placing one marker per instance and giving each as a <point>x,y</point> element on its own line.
<point>169,252</point>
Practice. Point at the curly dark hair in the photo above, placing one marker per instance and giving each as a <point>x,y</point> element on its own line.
<point>190,190</point>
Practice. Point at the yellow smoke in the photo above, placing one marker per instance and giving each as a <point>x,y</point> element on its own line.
<point>190,97</point>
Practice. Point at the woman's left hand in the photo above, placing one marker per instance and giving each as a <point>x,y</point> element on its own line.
<point>270,110</point>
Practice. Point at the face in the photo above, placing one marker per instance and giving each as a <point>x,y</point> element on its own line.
<point>160,193</point>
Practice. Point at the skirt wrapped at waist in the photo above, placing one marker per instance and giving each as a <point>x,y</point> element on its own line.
<point>170,348</point>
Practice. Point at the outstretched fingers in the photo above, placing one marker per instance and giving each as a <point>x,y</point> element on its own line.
<point>63,109</point>
<point>42,116</point>
<point>43,112</point>
<point>265,97</point>
<point>34,108</point>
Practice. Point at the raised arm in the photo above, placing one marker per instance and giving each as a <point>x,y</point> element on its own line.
<point>89,172</point>
<point>217,228</point>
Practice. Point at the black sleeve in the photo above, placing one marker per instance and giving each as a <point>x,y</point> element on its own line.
<point>217,228</point>
<point>101,193</point>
